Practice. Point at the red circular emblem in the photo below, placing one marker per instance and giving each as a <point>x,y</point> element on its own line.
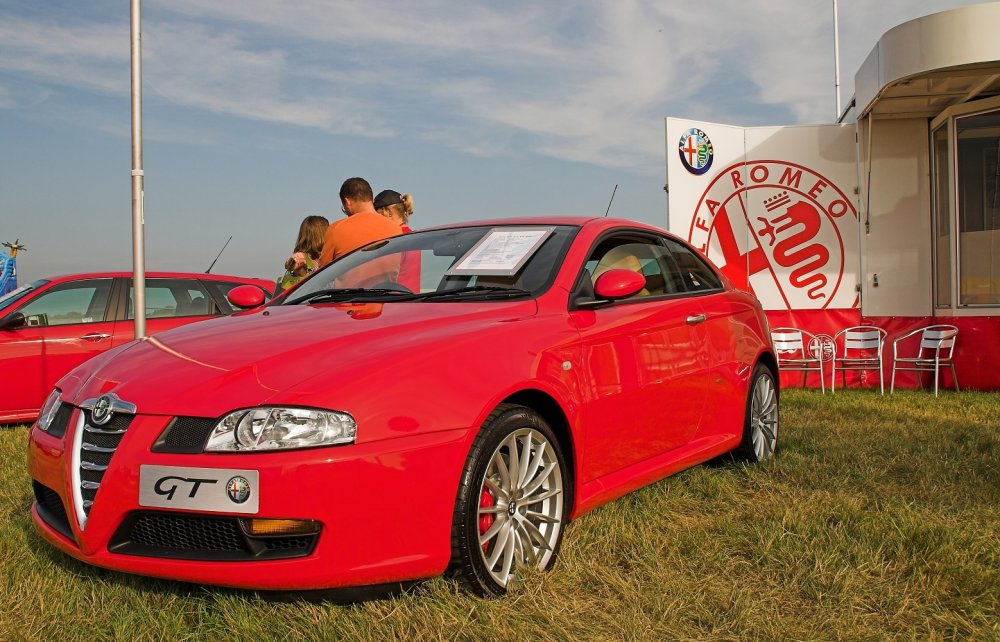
<point>778,229</point>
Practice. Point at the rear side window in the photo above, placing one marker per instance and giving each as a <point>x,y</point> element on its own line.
<point>695,273</point>
<point>68,303</point>
<point>175,298</point>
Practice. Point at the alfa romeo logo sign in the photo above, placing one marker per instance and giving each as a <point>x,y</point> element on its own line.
<point>778,229</point>
<point>696,151</point>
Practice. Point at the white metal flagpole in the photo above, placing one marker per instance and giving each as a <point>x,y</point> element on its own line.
<point>138,186</point>
<point>836,57</point>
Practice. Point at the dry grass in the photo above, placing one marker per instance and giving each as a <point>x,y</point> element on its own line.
<point>880,519</point>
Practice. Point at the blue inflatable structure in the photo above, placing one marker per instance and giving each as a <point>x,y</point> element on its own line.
<point>8,267</point>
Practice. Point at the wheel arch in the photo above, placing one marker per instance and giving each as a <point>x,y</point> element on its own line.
<point>545,405</point>
<point>771,362</point>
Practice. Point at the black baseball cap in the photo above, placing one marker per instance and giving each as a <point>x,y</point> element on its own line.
<point>386,198</point>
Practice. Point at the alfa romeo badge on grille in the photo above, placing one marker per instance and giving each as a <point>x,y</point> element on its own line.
<point>101,414</point>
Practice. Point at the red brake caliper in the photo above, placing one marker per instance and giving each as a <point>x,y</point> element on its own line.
<point>485,521</point>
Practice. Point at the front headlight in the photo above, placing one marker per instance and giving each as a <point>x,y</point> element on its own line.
<point>49,409</point>
<point>281,429</point>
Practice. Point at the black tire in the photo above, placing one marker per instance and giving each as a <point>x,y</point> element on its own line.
<point>527,516</point>
<point>760,420</point>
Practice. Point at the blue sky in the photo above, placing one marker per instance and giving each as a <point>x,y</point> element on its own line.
<point>255,111</point>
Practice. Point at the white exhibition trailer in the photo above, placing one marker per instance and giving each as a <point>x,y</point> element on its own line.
<point>892,220</point>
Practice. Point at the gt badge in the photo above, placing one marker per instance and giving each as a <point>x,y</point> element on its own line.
<point>217,490</point>
<point>238,489</point>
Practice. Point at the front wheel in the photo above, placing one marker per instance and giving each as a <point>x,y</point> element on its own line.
<point>760,423</point>
<point>512,502</point>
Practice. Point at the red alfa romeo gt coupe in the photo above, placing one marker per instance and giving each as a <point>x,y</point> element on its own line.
<point>439,402</point>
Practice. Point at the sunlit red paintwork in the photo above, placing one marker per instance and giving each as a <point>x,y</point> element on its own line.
<point>641,393</point>
<point>36,357</point>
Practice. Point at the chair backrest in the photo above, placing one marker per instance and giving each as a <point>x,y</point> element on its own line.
<point>940,339</point>
<point>788,340</point>
<point>862,338</point>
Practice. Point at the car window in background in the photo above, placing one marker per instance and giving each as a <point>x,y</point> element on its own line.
<point>174,298</point>
<point>74,302</point>
<point>695,272</point>
<point>21,292</point>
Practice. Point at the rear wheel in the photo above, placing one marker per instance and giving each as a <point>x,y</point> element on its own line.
<point>760,423</point>
<point>512,501</point>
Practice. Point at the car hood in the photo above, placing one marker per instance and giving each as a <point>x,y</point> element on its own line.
<point>282,354</point>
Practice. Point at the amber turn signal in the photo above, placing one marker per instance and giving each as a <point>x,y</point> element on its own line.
<point>264,527</point>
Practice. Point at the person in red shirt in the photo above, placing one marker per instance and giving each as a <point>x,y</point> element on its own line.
<point>362,226</point>
<point>398,208</point>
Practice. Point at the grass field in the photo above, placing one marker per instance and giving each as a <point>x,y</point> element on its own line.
<point>880,519</point>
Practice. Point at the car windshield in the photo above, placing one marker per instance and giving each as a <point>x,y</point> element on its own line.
<point>20,292</point>
<point>489,262</point>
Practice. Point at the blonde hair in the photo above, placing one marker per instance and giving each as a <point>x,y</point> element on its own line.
<point>403,210</point>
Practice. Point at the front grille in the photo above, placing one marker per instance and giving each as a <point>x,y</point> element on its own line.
<point>184,435</point>
<point>202,537</point>
<point>97,445</point>
<point>51,509</point>
<point>61,420</point>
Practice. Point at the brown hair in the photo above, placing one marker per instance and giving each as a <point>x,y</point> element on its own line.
<point>403,210</point>
<point>312,231</point>
<point>356,189</point>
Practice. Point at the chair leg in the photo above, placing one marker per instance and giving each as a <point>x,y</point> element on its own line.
<point>881,381</point>
<point>954,377</point>
<point>937,376</point>
<point>892,380</point>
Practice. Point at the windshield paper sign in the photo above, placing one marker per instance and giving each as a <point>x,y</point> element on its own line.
<point>502,251</point>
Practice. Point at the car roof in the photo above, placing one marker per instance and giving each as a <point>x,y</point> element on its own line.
<point>154,275</point>
<point>599,221</point>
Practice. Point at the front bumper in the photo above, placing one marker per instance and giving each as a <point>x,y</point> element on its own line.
<point>384,510</point>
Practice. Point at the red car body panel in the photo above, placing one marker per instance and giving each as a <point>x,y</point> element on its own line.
<point>639,391</point>
<point>41,355</point>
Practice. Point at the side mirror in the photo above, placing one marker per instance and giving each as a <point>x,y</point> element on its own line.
<point>245,296</point>
<point>12,321</point>
<point>619,284</point>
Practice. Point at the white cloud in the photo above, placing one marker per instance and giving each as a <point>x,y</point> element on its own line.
<point>587,82</point>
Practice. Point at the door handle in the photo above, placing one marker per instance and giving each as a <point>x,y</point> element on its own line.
<point>95,336</point>
<point>696,318</point>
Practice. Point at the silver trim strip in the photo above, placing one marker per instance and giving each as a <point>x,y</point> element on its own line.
<point>100,431</point>
<point>89,485</point>
<point>78,508</point>
<point>97,449</point>
<point>86,465</point>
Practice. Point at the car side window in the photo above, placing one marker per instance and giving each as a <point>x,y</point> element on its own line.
<point>76,302</point>
<point>695,272</point>
<point>644,256</point>
<point>174,298</point>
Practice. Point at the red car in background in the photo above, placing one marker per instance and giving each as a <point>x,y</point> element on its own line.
<point>52,325</point>
<point>359,430</point>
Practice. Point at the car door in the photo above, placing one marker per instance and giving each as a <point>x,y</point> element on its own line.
<point>644,385</point>
<point>170,302</point>
<point>66,324</point>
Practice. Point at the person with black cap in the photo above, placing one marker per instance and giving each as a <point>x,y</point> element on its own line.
<point>395,207</point>
<point>398,208</point>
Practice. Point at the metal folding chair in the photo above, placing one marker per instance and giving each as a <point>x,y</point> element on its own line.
<point>858,348</point>
<point>799,350</point>
<point>937,343</point>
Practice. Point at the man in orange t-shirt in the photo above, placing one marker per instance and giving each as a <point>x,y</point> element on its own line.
<point>362,226</point>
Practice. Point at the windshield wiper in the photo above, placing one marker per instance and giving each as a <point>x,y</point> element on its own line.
<point>345,294</point>
<point>474,291</point>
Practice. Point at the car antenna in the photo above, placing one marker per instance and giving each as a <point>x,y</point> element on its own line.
<point>612,199</point>
<point>209,270</point>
